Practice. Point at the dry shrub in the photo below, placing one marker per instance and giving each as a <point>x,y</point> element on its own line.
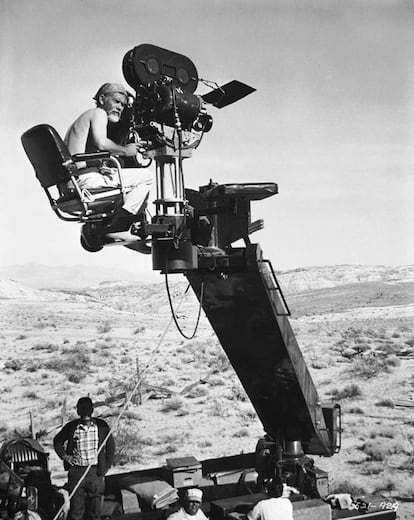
<point>380,449</point>
<point>369,366</point>
<point>198,391</point>
<point>75,363</point>
<point>347,392</point>
<point>371,468</point>
<point>105,327</point>
<point>216,381</point>
<point>238,393</point>
<point>45,345</point>
<point>128,446</point>
<point>349,484</point>
<point>356,410</point>
<point>243,432</point>
<point>217,408</point>
<point>168,449</point>
<point>138,330</point>
<point>13,365</point>
<point>387,403</point>
<point>172,405</point>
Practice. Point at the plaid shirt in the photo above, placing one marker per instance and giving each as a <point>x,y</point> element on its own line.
<point>85,444</point>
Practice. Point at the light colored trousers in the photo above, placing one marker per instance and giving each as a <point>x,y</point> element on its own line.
<point>137,182</point>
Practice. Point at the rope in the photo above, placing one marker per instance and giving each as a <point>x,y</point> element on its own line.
<point>127,402</point>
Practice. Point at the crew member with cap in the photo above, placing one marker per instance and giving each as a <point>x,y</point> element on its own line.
<point>190,509</point>
<point>77,444</point>
<point>89,133</point>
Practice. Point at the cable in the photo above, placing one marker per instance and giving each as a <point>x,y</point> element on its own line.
<point>174,317</point>
<point>123,409</point>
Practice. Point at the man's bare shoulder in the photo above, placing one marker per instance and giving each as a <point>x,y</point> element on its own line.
<point>91,115</point>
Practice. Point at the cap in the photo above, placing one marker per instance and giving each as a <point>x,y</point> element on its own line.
<point>195,495</point>
<point>110,88</point>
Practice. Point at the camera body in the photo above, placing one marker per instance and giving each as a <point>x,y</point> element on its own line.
<point>164,82</point>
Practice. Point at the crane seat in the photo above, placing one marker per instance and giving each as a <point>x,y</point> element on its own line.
<point>250,190</point>
<point>56,168</point>
<point>105,198</point>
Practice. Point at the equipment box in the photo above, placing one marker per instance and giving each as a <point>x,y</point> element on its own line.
<point>183,472</point>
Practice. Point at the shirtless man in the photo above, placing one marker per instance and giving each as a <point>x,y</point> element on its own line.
<point>89,134</point>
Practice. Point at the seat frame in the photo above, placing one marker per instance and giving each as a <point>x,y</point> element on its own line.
<point>55,167</point>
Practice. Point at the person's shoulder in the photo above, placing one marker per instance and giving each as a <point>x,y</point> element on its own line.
<point>283,502</point>
<point>92,114</point>
<point>97,113</point>
<point>70,425</point>
<point>101,422</point>
<point>200,515</point>
<point>175,516</point>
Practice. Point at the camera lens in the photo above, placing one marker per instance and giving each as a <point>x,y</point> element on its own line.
<point>152,66</point>
<point>183,76</point>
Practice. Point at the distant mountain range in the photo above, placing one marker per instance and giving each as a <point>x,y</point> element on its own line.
<point>39,276</point>
<point>311,278</point>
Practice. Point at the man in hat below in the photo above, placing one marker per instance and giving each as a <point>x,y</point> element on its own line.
<point>89,133</point>
<point>190,509</point>
<point>77,444</point>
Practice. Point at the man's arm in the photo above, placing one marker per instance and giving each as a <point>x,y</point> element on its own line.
<point>99,123</point>
<point>59,442</point>
<point>254,514</point>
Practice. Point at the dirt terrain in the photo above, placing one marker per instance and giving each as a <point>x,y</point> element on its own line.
<point>354,325</point>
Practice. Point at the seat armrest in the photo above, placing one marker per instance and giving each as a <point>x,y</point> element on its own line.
<point>90,156</point>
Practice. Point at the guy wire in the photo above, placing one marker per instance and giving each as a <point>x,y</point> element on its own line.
<point>123,409</point>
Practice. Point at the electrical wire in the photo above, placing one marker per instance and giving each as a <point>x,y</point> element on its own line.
<point>173,314</point>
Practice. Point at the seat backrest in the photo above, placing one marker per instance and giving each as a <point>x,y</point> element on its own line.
<point>47,152</point>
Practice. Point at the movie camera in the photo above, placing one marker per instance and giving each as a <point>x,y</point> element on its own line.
<point>169,120</point>
<point>165,82</point>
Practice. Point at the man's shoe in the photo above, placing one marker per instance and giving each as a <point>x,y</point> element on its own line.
<point>121,221</point>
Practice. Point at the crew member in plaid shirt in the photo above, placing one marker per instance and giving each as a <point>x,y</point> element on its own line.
<point>77,444</point>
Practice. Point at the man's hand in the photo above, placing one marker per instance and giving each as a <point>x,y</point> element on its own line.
<point>131,149</point>
<point>70,459</point>
<point>287,490</point>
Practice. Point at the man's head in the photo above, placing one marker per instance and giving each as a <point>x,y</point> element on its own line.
<point>192,501</point>
<point>84,407</point>
<point>112,97</point>
<point>275,488</point>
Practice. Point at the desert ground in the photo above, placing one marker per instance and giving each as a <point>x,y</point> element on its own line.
<point>353,323</point>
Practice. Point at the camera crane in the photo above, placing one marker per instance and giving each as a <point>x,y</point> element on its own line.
<point>193,232</point>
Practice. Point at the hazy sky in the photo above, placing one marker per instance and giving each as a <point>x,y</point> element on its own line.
<point>332,121</point>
